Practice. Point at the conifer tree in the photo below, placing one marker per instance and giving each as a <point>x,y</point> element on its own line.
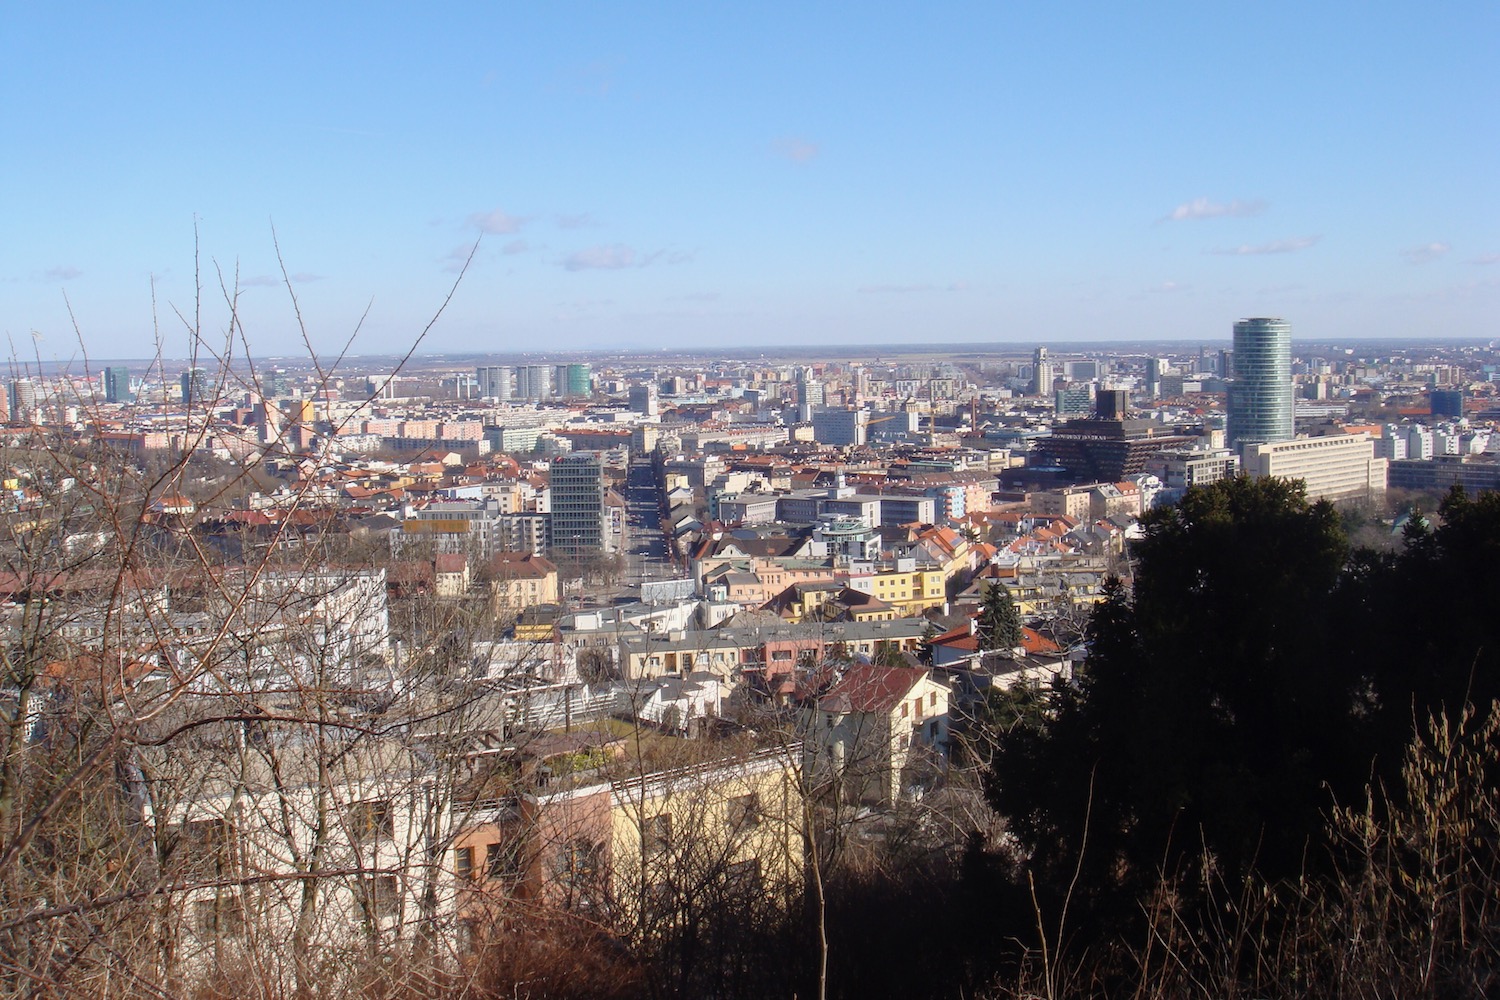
<point>999,621</point>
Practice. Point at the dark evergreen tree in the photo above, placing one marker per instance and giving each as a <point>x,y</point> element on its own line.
<point>924,648</point>
<point>1219,707</point>
<point>999,621</point>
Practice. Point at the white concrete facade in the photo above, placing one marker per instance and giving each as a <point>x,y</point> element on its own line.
<point>1339,467</point>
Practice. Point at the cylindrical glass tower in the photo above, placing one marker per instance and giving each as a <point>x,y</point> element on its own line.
<point>1260,395</point>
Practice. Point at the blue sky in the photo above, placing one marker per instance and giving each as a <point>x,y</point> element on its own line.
<point>662,175</point>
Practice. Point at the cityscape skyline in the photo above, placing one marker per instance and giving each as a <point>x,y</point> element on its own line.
<point>776,177</point>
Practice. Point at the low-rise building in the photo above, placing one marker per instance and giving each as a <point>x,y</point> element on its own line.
<point>1337,467</point>
<point>875,728</point>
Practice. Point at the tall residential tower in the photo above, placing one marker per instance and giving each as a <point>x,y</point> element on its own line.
<point>1260,394</point>
<point>1042,375</point>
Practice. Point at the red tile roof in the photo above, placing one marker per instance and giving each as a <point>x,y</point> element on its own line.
<point>868,688</point>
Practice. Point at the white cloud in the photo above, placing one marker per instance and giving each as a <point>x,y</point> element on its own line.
<point>458,258</point>
<point>612,257</point>
<point>1486,259</point>
<point>618,256</point>
<point>63,272</point>
<point>515,247</point>
<point>1275,246</point>
<point>1202,208</point>
<point>797,149</point>
<point>1426,253</point>
<point>581,220</point>
<point>496,222</point>
<point>1169,286</point>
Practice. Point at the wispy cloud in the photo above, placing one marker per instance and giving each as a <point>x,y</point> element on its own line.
<point>581,220</point>
<point>955,286</point>
<point>514,247</point>
<point>1203,208</point>
<point>702,297</point>
<point>457,258</point>
<point>1426,253</point>
<point>63,272</point>
<point>797,149</point>
<point>1167,287</point>
<point>1485,259</point>
<point>610,257</point>
<point>496,222</point>
<point>1275,246</point>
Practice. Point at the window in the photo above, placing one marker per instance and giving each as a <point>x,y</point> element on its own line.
<point>932,700</point>
<point>660,903</point>
<point>384,896</point>
<point>463,863</point>
<point>743,812</point>
<point>656,836</point>
<point>742,879</point>
<point>503,860</point>
<point>371,822</point>
<point>579,862</point>
<point>579,869</point>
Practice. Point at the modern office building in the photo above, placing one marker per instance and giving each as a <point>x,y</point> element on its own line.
<point>495,381</point>
<point>577,496</point>
<point>574,381</point>
<point>1261,407</point>
<point>196,388</point>
<point>1080,371</point>
<point>644,399</point>
<point>1076,400</point>
<point>1448,403</point>
<point>1337,467</point>
<point>1103,449</point>
<point>22,393</point>
<point>810,395</point>
<point>533,382</point>
<point>840,426</point>
<point>1155,369</point>
<point>117,386</point>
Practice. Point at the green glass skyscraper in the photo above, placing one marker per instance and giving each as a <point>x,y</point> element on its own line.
<point>1260,395</point>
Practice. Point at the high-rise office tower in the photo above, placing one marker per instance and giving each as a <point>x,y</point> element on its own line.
<point>644,399</point>
<point>196,390</point>
<point>1042,376</point>
<point>117,386</point>
<point>1260,395</point>
<point>22,395</point>
<point>533,382</point>
<point>810,394</point>
<point>495,381</point>
<point>577,498</point>
<point>575,380</point>
<point>1154,371</point>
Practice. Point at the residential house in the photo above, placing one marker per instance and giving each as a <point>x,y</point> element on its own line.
<point>876,729</point>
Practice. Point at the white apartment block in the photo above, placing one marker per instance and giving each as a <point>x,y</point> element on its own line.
<point>336,845</point>
<point>1340,467</point>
